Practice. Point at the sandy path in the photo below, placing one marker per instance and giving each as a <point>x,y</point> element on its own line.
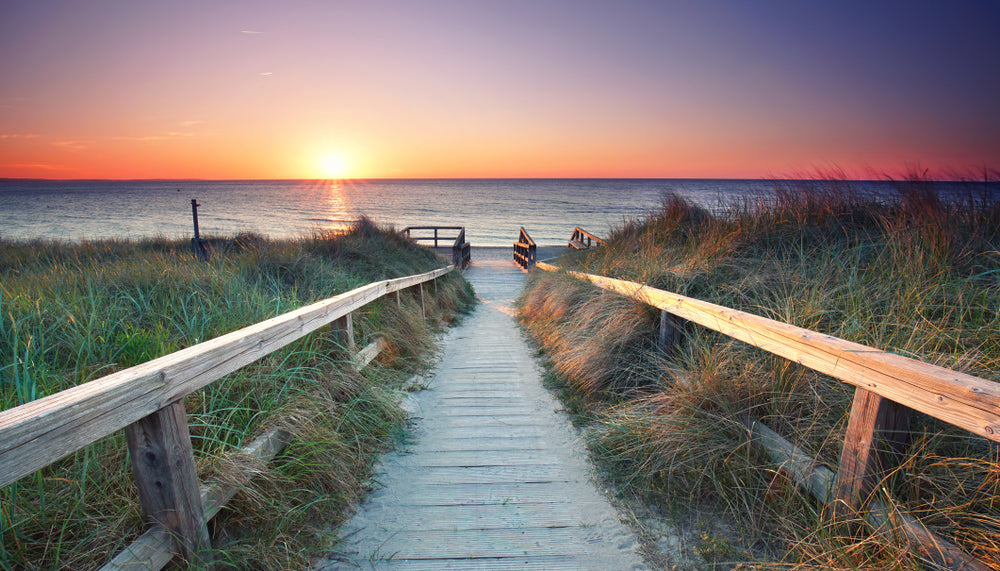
<point>494,476</point>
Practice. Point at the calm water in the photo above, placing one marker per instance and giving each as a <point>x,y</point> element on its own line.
<point>492,210</point>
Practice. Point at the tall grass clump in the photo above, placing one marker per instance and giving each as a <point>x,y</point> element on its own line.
<point>70,313</point>
<point>915,272</point>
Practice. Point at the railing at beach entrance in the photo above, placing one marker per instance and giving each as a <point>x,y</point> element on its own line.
<point>583,240</point>
<point>888,388</point>
<point>461,251</point>
<point>147,401</point>
<point>524,250</point>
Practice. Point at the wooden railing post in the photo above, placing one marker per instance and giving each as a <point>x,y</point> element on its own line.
<point>163,464</point>
<point>877,430</point>
<point>670,333</point>
<point>343,332</point>
<point>423,308</point>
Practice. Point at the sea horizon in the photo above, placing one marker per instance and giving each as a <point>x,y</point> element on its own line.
<point>491,209</point>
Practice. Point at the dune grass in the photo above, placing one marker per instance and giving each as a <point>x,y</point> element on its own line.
<point>70,313</point>
<point>917,273</point>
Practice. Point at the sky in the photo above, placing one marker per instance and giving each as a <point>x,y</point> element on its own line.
<point>219,89</point>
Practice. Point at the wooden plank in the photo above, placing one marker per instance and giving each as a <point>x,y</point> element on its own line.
<point>479,543</point>
<point>165,475</point>
<point>397,284</point>
<point>368,354</point>
<point>343,331</point>
<point>433,518</point>
<point>464,494</point>
<point>877,429</point>
<point>154,549</point>
<point>509,563</point>
<point>450,475</point>
<point>423,306</point>
<point>469,458</point>
<point>38,433</point>
<point>670,332</point>
<point>505,443</point>
<point>966,401</point>
<point>818,480</point>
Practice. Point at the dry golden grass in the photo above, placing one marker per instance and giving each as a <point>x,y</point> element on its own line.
<point>917,273</point>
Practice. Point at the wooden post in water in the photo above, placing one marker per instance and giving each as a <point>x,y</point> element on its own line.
<point>163,464</point>
<point>196,244</point>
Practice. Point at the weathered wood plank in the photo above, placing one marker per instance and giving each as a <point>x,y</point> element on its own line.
<point>479,543</point>
<point>40,432</point>
<point>877,429</point>
<point>154,549</point>
<point>818,480</point>
<point>150,552</point>
<point>434,518</point>
<point>670,332</point>
<point>343,331</point>
<point>450,475</point>
<point>165,475</point>
<point>510,563</point>
<point>368,354</point>
<point>397,284</point>
<point>468,458</point>
<point>484,444</point>
<point>966,401</point>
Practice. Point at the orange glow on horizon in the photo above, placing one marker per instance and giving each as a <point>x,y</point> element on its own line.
<point>333,90</point>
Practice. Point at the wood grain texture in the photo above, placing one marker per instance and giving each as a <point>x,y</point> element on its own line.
<point>964,400</point>
<point>492,476</point>
<point>343,331</point>
<point>154,549</point>
<point>165,475</point>
<point>818,480</point>
<point>878,429</point>
<point>38,433</point>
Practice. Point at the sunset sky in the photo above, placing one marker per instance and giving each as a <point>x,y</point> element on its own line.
<point>245,89</point>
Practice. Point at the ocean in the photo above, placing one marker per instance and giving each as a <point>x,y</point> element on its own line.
<point>491,210</point>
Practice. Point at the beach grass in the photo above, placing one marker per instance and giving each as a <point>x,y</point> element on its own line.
<point>916,272</point>
<point>70,313</point>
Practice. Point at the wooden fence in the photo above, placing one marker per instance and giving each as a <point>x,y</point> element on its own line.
<point>887,388</point>
<point>524,250</point>
<point>461,250</point>
<point>147,402</point>
<point>583,240</point>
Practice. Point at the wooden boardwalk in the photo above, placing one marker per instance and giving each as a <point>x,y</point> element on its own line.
<point>494,477</point>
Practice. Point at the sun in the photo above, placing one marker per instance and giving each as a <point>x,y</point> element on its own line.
<point>333,167</point>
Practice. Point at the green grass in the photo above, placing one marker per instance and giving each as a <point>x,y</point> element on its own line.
<point>913,273</point>
<point>70,313</point>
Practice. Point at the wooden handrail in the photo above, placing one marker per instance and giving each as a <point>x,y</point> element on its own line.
<point>435,237</point>
<point>155,548</point>
<point>147,402</point>
<point>582,240</point>
<point>524,250</point>
<point>461,251</point>
<point>966,401</point>
<point>887,386</point>
<point>41,432</point>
